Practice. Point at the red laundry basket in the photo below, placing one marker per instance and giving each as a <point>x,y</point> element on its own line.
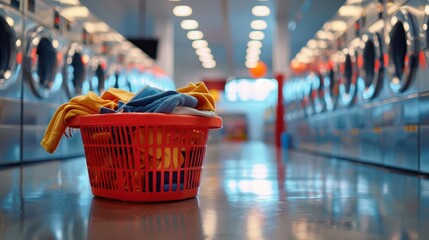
<point>145,157</point>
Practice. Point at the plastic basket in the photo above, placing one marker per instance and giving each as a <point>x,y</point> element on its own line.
<point>144,157</point>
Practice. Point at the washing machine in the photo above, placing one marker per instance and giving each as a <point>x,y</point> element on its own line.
<point>330,74</point>
<point>116,72</point>
<point>349,120</point>
<point>424,96</point>
<point>401,114</point>
<point>371,88</point>
<point>11,25</point>
<point>76,78</point>
<point>42,77</point>
<point>331,83</point>
<point>99,74</point>
<point>77,55</point>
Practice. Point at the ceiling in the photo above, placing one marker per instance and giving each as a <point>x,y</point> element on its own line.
<point>225,25</point>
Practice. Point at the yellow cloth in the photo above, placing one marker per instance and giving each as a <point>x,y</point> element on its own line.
<point>200,91</point>
<point>77,106</point>
<point>172,156</point>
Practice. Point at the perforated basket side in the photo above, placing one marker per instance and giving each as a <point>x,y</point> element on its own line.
<point>145,163</point>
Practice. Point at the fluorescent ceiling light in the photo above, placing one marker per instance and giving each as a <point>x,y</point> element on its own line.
<point>253,51</point>
<point>205,58</point>
<point>251,64</point>
<point>182,11</point>
<point>68,2</point>
<point>258,24</point>
<point>75,12</point>
<point>203,51</point>
<point>350,11</point>
<point>93,27</point>
<point>250,57</point>
<point>195,35</point>
<point>260,11</point>
<point>322,44</point>
<point>199,43</point>
<point>326,35</point>
<point>312,43</point>
<point>338,26</point>
<point>210,64</point>
<point>189,24</point>
<point>256,35</point>
<point>307,51</point>
<point>254,43</point>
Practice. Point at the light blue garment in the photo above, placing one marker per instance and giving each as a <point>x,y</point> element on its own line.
<point>151,99</point>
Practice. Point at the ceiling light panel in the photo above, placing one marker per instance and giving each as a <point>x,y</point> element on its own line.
<point>189,24</point>
<point>258,24</point>
<point>350,11</point>
<point>182,11</point>
<point>199,44</point>
<point>195,35</point>
<point>261,11</point>
<point>254,43</point>
<point>256,35</point>
<point>210,64</point>
<point>75,12</point>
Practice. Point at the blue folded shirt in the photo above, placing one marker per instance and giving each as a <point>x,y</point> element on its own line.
<point>151,99</point>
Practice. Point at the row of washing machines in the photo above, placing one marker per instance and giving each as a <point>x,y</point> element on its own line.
<point>366,96</point>
<point>45,60</point>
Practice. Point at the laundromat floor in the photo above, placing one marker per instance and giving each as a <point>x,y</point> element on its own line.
<point>248,191</point>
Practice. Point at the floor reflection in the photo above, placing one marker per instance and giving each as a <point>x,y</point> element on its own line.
<point>248,191</point>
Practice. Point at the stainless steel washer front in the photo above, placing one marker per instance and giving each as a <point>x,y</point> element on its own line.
<point>370,80</point>
<point>403,49</point>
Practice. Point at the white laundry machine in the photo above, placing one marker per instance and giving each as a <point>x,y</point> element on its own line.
<point>42,76</point>
<point>11,25</point>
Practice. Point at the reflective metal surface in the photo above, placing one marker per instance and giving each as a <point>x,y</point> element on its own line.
<point>248,191</point>
<point>11,24</point>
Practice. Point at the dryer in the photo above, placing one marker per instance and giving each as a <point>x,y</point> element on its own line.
<point>42,78</point>
<point>11,24</point>
<point>401,148</point>
<point>371,88</point>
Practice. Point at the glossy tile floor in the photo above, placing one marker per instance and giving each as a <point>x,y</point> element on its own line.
<point>248,191</point>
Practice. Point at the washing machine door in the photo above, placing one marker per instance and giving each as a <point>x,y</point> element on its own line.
<point>76,82</point>
<point>348,79</point>
<point>98,75</point>
<point>403,49</point>
<point>331,85</point>
<point>41,62</point>
<point>371,65</point>
<point>10,55</point>
<point>317,94</point>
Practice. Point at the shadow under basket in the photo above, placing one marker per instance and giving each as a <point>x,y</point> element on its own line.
<point>145,157</point>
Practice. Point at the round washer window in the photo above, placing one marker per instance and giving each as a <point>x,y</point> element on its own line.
<point>369,63</point>
<point>399,48</point>
<point>46,63</point>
